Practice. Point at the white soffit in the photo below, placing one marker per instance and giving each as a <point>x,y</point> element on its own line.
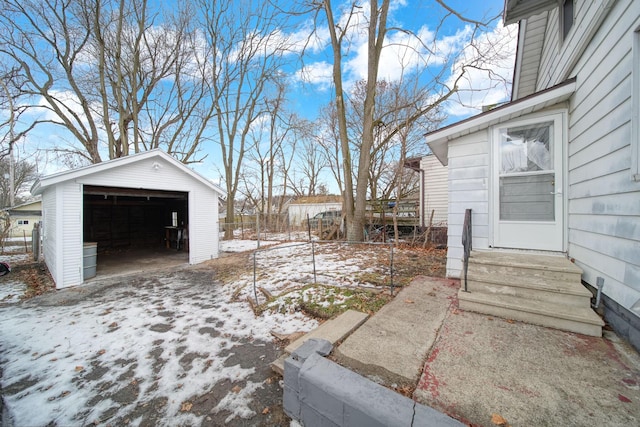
<point>438,140</point>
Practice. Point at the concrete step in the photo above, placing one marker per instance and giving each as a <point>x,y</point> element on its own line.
<point>573,319</point>
<point>334,330</point>
<point>530,288</point>
<point>513,265</point>
<point>278,365</point>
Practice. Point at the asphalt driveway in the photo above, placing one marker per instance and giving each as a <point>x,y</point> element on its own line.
<point>158,349</point>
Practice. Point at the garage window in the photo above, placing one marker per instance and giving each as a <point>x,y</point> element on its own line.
<point>23,222</point>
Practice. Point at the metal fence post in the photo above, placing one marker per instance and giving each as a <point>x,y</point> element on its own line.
<point>313,260</point>
<point>467,244</point>
<point>391,267</point>
<point>255,292</point>
<point>258,227</point>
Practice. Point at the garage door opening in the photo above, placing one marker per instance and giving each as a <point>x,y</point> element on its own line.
<point>134,229</point>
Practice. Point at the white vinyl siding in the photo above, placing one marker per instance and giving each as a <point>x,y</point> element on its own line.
<point>468,189</point>
<point>71,218</point>
<point>142,174</point>
<point>560,56</point>
<point>635,114</point>
<point>62,201</point>
<point>435,194</point>
<point>203,232</point>
<point>535,28</point>
<point>604,203</point>
<point>49,221</point>
<point>549,54</point>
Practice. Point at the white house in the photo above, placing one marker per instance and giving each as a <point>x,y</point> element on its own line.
<point>557,170</point>
<point>434,195</point>
<point>138,201</point>
<point>23,217</point>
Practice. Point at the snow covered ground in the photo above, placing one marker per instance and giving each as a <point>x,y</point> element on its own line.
<point>109,354</point>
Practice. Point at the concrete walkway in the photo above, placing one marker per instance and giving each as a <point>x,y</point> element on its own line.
<point>390,347</point>
<point>490,371</point>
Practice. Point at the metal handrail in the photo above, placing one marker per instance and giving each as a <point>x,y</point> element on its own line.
<point>466,243</point>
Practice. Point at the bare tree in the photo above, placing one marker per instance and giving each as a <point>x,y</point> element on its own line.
<point>119,76</point>
<point>329,140</point>
<point>441,86</point>
<point>287,157</point>
<point>401,122</point>
<point>246,48</point>
<point>279,127</point>
<point>24,175</point>
<point>309,159</point>
<point>267,138</point>
<point>45,41</point>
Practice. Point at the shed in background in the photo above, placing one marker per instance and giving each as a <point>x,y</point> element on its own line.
<point>311,206</point>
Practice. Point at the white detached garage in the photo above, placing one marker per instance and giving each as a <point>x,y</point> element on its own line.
<point>131,202</point>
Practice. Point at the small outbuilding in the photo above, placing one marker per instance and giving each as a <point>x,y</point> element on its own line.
<point>308,207</point>
<point>23,217</point>
<point>143,201</point>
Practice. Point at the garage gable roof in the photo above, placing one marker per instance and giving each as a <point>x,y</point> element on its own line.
<point>438,140</point>
<point>47,181</point>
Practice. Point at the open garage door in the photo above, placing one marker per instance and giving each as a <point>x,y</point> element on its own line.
<point>134,227</point>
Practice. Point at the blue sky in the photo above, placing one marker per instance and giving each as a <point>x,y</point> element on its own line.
<point>422,18</point>
<point>310,80</point>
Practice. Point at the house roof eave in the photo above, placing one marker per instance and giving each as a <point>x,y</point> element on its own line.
<point>516,10</point>
<point>438,140</point>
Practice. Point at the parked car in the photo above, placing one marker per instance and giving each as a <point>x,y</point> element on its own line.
<point>326,218</point>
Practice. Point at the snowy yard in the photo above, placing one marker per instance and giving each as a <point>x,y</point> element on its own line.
<point>185,347</point>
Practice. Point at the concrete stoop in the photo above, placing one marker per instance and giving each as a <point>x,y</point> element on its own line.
<point>333,331</point>
<point>543,290</point>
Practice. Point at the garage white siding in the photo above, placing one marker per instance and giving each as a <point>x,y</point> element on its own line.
<point>151,173</point>
<point>203,234</point>
<point>62,197</point>
<point>50,225</point>
<point>468,161</point>
<point>71,217</point>
<point>160,174</point>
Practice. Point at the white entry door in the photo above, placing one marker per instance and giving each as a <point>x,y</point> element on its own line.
<point>528,199</point>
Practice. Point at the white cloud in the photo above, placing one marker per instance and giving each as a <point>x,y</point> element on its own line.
<point>403,52</point>
<point>489,82</point>
<point>317,73</point>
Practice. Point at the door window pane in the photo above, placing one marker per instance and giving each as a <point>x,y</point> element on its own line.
<point>526,148</point>
<point>527,179</point>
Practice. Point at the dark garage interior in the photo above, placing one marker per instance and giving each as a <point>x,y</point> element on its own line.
<point>130,224</point>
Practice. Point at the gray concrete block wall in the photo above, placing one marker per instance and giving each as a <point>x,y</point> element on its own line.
<point>624,322</point>
<point>319,392</point>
